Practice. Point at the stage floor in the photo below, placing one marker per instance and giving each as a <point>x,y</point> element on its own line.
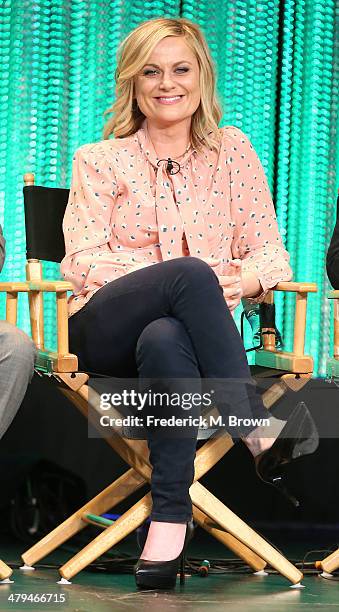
<point>107,592</point>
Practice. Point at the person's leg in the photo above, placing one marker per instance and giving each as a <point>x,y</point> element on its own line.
<point>164,353</point>
<point>105,332</point>
<point>17,354</point>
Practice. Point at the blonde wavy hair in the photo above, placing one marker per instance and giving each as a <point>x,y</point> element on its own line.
<point>133,54</point>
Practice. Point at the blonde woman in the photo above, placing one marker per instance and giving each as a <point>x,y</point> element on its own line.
<point>168,225</point>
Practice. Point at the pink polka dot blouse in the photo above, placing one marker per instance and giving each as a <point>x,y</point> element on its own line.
<point>125,211</point>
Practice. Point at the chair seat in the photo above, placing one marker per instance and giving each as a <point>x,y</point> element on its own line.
<point>263,372</point>
<point>139,433</point>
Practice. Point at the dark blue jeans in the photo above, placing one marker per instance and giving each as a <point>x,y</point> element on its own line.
<point>166,321</point>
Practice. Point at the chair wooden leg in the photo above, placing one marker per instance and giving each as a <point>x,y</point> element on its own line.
<point>116,492</point>
<point>121,528</point>
<point>124,486</point>
<point>121,488</point>
<point>5,571</point>
<point>230,522</point>
<point>242,551</point>
<point>134,453</point>
<point>206,457</point>
<point>330,563</point>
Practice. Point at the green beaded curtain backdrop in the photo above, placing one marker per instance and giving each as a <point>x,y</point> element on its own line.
<point>277,80</point>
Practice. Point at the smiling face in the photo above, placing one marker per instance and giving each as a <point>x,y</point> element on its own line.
<point>172,71</point>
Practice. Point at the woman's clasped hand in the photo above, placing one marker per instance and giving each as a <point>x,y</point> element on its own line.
<point>231,283</point>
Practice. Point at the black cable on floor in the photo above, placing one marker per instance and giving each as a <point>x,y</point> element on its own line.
<point>124,564</point>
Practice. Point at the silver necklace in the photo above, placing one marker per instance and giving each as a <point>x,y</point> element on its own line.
<point>179,156</point>
<point>187,149</point>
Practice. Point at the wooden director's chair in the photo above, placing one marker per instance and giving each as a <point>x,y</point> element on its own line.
<point>292,370</point>
<point>331,562</point>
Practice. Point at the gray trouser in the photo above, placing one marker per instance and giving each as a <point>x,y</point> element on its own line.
<point>17,354</point>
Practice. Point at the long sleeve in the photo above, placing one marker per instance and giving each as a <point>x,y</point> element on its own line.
<point>332,259</point>
<point>2,249</point>
<point>91,260</point>
<point>256,240</point>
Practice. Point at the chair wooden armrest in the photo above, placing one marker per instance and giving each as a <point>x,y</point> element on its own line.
<point>296,361</point>
<point>14,287</point>
<point>296,287</point>
<point>12,290</point>
<point>46,360</point>
<point>50,286</point>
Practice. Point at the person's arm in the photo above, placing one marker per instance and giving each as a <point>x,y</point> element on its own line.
<point>2,249</point>
<point>256,241</point>
<point>92,256</point>
<point>332,259</point>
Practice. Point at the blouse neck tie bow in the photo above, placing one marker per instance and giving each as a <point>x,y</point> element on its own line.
<point>177,206</point>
